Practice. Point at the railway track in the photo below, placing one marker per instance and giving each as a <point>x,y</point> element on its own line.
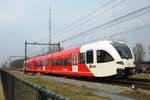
<point>133,83</point>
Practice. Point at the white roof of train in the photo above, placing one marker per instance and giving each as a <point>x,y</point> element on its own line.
<point>101,44</point>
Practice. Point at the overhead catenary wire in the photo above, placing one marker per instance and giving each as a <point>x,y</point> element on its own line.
<point>115,34</point>
<point>122,20</point>
<point>41,51</point>
<point>125,32</point>
<point>80,23</point>
<point>114,20</point>
<point>84,17</point>
<point>142,11</point>
<point>37,52</point>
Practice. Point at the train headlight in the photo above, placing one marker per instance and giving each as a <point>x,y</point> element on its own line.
<point>120,62</point>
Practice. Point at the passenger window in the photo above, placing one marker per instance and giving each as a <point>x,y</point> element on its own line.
<point>103,56</point>
<point>82,58</point>
<point>61,62</point>
<point>89,56</point>
<point>39,63</point>
<point>57,62</point>
<point>53,62</point>
<point>49,62</point>
<point>35,64</point>
<point>67,61</point>
<point>44,62</point>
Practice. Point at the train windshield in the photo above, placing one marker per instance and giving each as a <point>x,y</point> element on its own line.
<point>123,50</point>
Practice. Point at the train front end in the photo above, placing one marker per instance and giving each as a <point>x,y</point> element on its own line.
<point>126,60</point>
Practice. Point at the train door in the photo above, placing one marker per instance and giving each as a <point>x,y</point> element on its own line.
<point>75,62</point>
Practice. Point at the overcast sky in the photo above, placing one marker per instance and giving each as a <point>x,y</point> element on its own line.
<point>22,20</point>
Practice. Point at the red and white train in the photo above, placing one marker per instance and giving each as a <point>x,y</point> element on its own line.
<point>99,59</point>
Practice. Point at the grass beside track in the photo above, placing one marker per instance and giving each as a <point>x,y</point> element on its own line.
<point>138,95</point>
<point>143,76</point>
<point>72,92</point>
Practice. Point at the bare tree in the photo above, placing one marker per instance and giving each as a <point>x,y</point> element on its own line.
<point>139,52</point>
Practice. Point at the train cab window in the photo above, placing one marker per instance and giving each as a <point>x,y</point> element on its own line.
<point>123,50</point>
<point>82,58</point>
<point>103,56</point>
<point>89,56</point>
